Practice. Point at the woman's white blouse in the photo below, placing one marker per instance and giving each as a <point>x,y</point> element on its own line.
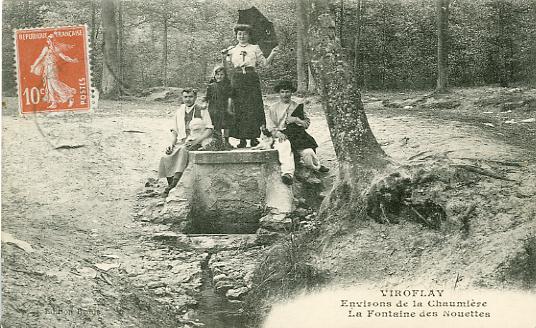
<point>248,56</point>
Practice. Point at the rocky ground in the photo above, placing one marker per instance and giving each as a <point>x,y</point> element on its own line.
<point>78,250</point>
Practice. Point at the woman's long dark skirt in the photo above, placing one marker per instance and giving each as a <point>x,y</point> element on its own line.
<point>248,105</point>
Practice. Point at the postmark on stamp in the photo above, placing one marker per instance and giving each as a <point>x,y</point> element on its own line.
<point>53,69</point>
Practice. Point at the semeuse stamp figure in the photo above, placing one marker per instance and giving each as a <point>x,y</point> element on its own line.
<point>53,69</point>
<point>46,66</point>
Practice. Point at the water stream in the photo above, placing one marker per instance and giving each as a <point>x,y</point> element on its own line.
<point>214,310</point>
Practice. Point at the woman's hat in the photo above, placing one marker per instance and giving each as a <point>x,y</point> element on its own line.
<point>242,27</point>
<point>284,85</point>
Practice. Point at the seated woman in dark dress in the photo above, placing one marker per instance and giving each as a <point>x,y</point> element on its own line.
<point>286,120</point>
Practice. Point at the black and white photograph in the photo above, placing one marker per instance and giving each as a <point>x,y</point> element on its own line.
<point>268,164</point>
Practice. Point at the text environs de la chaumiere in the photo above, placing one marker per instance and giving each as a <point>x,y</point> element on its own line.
<point>415,303</point>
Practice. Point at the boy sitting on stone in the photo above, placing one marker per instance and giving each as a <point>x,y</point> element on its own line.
<point>192,130</point>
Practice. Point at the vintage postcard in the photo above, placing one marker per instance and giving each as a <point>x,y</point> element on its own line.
<point>268,164</point>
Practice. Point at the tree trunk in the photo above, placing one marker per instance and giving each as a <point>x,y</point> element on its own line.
<point>442,44</point>
<point>204,69</point>
<point>358,60</point>
<point>121,66</point>
<point>110,81</point>
<point>503,40</point>
<point>300,48</point>
<point>27,13</point>
<point>341,24</point>
<point>359,155</point>
<point>93,31</point>
<point>532,57</point>
<point>311,87</point>
<point>383,52</point>
<point>165,51</point>
<point>121,48</point>
<point>510,61</point>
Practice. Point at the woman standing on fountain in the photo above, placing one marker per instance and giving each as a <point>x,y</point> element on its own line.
<point>244,58</point>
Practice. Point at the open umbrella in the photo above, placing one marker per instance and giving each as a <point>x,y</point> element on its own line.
<point>262,30</point>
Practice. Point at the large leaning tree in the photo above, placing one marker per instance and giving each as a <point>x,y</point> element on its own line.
<point>359,155</point>
<point>369,183</point>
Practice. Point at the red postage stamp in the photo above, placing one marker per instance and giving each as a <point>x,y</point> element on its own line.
<point>53,69</point>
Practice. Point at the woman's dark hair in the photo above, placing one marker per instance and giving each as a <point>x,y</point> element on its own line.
<point>242,27</point>
<point>188,90</point>
<point>284,85</point>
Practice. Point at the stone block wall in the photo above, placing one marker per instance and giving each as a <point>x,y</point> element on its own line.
<point>232,190</point>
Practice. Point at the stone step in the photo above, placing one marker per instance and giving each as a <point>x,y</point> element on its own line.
<point>207,242</point>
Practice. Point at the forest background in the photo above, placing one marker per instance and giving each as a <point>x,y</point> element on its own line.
<point>87,204</point>
<point>391,44</point>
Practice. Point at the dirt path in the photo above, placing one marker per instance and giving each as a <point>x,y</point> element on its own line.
<point>405,136</point>
<point>75,206</point>
<point>504,114</point>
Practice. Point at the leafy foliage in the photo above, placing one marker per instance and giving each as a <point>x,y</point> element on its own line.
<point>491,41</point>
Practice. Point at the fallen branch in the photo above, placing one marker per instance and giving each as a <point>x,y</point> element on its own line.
<point>28,272</point>
<point>383,213</point>
<point>69,146</point>
<point>106,280</point>
<point>505,163</point>
<point>428,223</point>
<point>442,155</point>
<point>419,154</point>
<point>482,171</point>
<point>133,131</point>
